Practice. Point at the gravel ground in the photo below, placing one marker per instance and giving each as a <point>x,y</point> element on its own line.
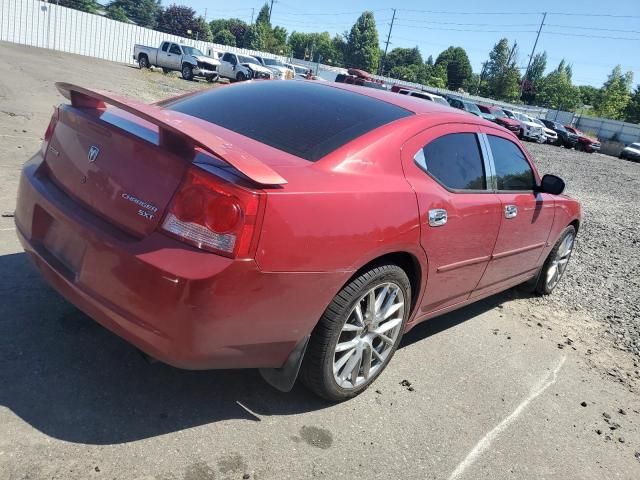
<point>603,279</point>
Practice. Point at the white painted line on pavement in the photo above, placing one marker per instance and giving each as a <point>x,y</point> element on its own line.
<point>485,442</point>
<point>7,229</point>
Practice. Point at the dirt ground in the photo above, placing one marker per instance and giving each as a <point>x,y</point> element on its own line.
<point>512,387</point>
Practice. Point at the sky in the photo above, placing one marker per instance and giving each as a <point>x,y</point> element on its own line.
<point>592,35</point>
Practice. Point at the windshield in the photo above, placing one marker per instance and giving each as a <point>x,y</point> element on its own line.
<point>535,120</point>
<point>245,59</point>
<point>272,62</point>
<point>472,107</point>
<point>192,51</point>
<point>509,114</point>
<point>498,113</point>
<point>635,146</point>
<point>521,117</point>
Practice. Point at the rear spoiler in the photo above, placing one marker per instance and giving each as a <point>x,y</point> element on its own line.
<point>178,125</point>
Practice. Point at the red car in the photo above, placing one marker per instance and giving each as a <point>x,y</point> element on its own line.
<point>501,118</point>
<point>585,142</point>
<point>284,225</point>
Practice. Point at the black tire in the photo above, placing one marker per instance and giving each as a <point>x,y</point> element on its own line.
<point>241,77</point>
<point>579,147</point>
<point>316,372</point>
<point>542,285</point>
<point>165,70</point>
<point>213,78</point>
<point>143,61</point>
<point>187,72</point>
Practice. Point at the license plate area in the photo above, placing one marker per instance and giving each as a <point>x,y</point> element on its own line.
<point>58,244</point>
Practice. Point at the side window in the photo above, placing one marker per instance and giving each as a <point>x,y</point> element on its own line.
<point>226,57</point>
<point>513,171</point>
<point>165,45</point>
<point>419,95</point>
<point>175,49</point>
<point>403,92</point>
<point>455,161</point>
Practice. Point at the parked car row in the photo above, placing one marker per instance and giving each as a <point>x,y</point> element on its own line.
<point>191,63</point>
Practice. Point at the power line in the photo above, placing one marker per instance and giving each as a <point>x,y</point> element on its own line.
<point>466,29</point>
<point>593,28</point>
<point>592,36</point>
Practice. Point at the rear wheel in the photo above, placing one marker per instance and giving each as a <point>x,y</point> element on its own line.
<point>143,61</point>
<point>358,334</point>
<point>556,263</point>
<point>241,77</point>
<point>187,72</point>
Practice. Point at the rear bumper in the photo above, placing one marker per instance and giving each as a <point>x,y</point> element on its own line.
<point>183,306</point>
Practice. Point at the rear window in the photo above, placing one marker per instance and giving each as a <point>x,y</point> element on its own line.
<point>305,119</point>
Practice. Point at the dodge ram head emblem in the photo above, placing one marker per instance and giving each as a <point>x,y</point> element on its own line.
<point>93,153</point>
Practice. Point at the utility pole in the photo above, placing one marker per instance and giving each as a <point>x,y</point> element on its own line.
<point>270,9</point>
<point>205,14</point>
<point>252,12</point>
<point>386,44</point>
<point>533,51</point>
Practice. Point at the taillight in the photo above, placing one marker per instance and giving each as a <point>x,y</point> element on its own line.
<point>49,131</point>
<point>214,215</point>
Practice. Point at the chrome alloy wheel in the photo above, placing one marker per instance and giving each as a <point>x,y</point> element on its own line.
<point>559,263</point>
<point>368,335</point>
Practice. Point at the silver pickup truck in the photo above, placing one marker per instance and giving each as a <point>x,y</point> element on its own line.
<point>170,56</point>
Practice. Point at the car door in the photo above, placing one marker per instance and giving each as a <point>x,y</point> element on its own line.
<point>174,57</point>
<point>162,54</point>
<point>526,218</point>
<point>226,65</point>
<point>459,214</point>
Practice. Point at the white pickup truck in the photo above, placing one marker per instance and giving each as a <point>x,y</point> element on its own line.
<point>190,61</point>
<point>239,67</point>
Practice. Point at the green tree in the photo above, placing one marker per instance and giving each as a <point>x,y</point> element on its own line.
<point>430,60</point>
<point>502,74</point>
<point>533,77</point>
<point>304,45</point>
<point>615,94</point>
<point>201,30</point>
<point>556,91</point>
<point>263,16</point>
<point>90,6</point>
<point>588,94</point>
<point>257,37</point>
<point>401,57</point>
<point>632,112</point>
<point>114,12</point>
<point>362,49</point>
<point>177,20</point>
<point>142,12</point>
<point>225,37</point>
<point>456,62</point>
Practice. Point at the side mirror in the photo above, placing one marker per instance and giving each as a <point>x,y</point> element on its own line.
<point>551,184</point>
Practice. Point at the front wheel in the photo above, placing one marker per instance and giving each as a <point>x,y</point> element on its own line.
<point>556,263</point>
<point>358,334</point>
<point>187,72</point>
<point>241,77</point>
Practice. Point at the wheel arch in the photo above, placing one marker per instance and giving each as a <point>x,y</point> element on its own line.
<point>405,260</point>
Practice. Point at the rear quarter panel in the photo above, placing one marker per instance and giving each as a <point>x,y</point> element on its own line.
<point>343,211</point>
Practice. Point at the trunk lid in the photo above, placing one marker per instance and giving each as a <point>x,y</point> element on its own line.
<point>124,160</point>
<point>110,162</point>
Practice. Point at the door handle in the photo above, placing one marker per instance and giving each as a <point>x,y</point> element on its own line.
<point>510,211</point>
<point>437,217</point>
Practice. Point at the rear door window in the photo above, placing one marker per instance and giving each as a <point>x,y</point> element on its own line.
<point>165,46</point>
<point>513,171</point>
<point>175,49</point>
<point>309,120</point>
<point>455,161</point>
